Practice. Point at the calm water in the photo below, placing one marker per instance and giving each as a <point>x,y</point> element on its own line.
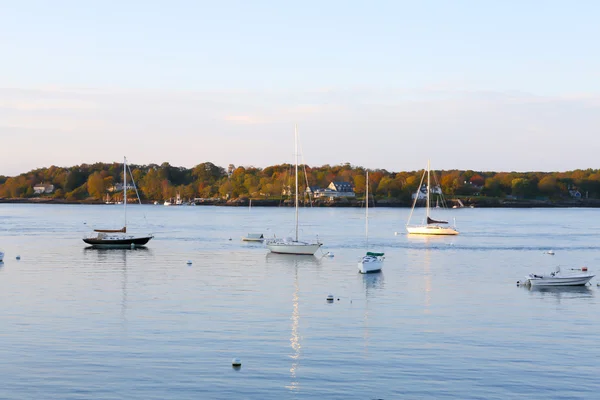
<point>444,319</point>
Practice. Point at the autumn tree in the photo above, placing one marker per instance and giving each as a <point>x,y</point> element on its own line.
<point>95,185</point>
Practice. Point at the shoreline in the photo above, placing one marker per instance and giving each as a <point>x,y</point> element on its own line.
<point>388,203</point>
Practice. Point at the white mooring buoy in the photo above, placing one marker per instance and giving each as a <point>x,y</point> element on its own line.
<point>236,363</point>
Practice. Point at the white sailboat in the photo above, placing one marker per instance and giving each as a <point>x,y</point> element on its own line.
<point>429,226</point>
<point>293,245</point>
<point>370,262</point>
<point>118,238</point>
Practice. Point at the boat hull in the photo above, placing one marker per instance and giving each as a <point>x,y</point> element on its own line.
<point>367,267</point>
<point>575,280</point>
<point>298,248</point>
<point>118,243</point>
<point>432,230</point>
<point>245,239</point>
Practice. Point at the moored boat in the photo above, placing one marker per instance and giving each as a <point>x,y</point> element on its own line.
<point>289,245</point>
<point>371,262</point>
<point>253,237</point>
<point>557,278</point>
<point>430,225</point>
<point>118,238</point>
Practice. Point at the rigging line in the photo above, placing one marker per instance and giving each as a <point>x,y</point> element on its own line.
<point>305,175</point>
<point>136,191</point>
<point>441,192</point>
<point>416,197</point>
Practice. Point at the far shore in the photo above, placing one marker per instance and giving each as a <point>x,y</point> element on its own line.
<point>472,202</point>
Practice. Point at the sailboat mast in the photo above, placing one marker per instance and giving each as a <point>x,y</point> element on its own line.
<point>125,189</point>
<point>296,157</point>
<point>367,210</point>
<point>428,188</point>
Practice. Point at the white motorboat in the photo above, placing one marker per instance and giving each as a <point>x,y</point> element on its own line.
<point>429,226</point>
<point>557,278</point>
<point>371,262</point>
<point>289,245</point>
<point>118,238</point>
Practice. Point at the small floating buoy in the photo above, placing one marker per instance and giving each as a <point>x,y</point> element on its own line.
<point>329,297</point>
<point>584,268</point>
<point>18,257</point>
<point>229,238</point>
<point>236,363</point>
<point>329,254</point>
<point>395,233</point>
<point>550,252</point>
<point>189,262</point>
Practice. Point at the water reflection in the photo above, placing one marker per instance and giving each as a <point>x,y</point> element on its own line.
<point>291,259</point>
<point>427,278</point>
<point>372,281</point>
<point>561,292</point>
<point>295,337</point>
<point>117,259</point>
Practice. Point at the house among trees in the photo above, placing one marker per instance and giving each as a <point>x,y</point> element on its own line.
<point>335,189</point>
<point>119,188</point>
<point>43,188</point>
<point>423,192</point>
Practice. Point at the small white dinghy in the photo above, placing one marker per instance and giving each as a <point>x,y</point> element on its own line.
<point>253,237</point>
<point>557,278</point>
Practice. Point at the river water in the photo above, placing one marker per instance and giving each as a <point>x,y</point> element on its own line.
<point>444,319</point>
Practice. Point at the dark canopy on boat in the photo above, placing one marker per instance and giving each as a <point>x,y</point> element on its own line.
<point>370,253</point>
<point>433,221</point>
<point>123,230</point>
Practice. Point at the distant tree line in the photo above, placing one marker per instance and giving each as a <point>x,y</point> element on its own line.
<point>206,180</point>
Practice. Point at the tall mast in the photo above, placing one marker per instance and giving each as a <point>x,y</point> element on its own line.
<point>367,210</point>
<point>296,157</point>
<point>125,189</point>
<point>428,188</point>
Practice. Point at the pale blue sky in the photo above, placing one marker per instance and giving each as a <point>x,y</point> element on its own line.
<point>485,85</point>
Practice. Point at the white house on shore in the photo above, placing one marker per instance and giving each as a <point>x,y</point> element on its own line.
<point>43,188</point>
<point>335,189</point>
<point>423,192</point>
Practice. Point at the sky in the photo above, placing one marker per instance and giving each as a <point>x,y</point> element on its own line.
<point>482,85</point>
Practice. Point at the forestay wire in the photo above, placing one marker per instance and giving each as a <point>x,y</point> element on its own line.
<point>136,192</point>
